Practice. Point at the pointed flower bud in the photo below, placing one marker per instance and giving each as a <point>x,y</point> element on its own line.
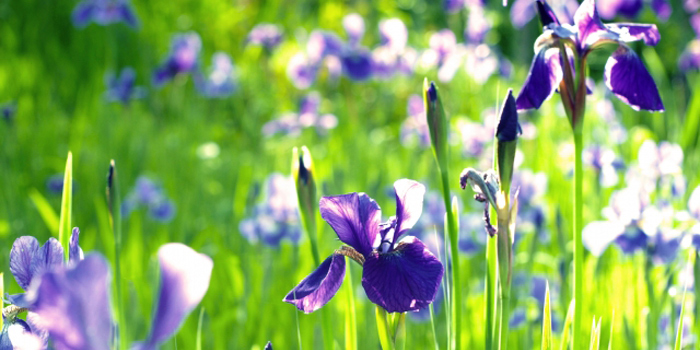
<point>506,138</point>
<point>437,122</point>
<point>303,173</point>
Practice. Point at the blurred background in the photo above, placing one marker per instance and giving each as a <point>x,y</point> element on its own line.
<point>201,102</point>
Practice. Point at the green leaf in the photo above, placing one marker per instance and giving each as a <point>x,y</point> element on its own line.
<point>199,328</point>
<point>612,326</point>
<point>679,331</point>
<point>567,325</point>
<point>64,227</point>
<point>45,210</point>
<point>595,335</point>
<point>383,329</point>
<point>546,321</point>
<point>400,331</point>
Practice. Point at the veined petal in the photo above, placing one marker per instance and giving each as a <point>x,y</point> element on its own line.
<point>588,23</point>
<point>48,257</point>
<point>73,305</point>
<point>629,32</point>
<point>409,205</point>
<point>626,76</point>
<point>184,280</point>
<point>404,279</point>
<point>354,217</point>
<point>23,250</point>
<point>598,235</point>
<point>543,78</point>
<point>320,286</point>
<point>75,253</point>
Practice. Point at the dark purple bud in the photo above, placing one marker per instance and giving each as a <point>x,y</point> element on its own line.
<point>432,92</point>
<point>547,15</point>
<point>508,127</point>
<point>268,346</point>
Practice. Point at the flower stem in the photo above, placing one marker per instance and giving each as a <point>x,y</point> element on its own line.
<point>490,306</point>
<point>115,217</point>
<point>454,256</point>
<point>577,337</point>
<point>350,318</point>
<point>505,264</point>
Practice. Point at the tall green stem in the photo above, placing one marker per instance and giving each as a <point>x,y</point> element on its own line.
<point>115,217</point>
<point>490,292</point>
<point>578,338</point>
<point>504,276</point>
<point>454,256</point>
<point>350,316</point>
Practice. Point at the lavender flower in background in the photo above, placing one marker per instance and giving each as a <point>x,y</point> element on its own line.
<point>8,111</point>
<point>625,74</point>
<point>478,24</point>
<point>523,11</point>
<point>658,166</point>
<point>631,9</point>
<point>476,137</point>
<point>301,71</point>
<point>354,26</point>
<point>73,302</point>
<point>277,218</point>
<point>151,195</point>
<point>267,35</point>
<point>268,346</point>
<point>616,132</point>
<point>690,58</point>
<point>414,129</point>
<point>291,124</point>
<point>220,82</point>
<point>183,58</point>
<point>605,163</point>
<point>444,54</point>
<point>122,88</point>
<point>397,275</point>
<point>531,188</point>
<point>104,12</point>
<point>452,6</point>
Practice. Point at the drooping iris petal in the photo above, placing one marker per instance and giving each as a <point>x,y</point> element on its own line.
<point>75,253</point>
<point>73,305</point>
<point>17,335</point>
<point>598,235</point>
<point>23,250</point>
<point>48,257</point>
<point>626,76</point>
<point>543,78</point>
<point>589,24</point>
<point>629,32</point>
<point>404,279</point>
<point>320,286</point>
<point>354,217</point>
<point>34,322</point>
<point>409,205</point>
<point>184,280</point>
<point>82,14</point>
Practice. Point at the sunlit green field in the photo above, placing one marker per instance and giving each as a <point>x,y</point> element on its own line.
<point>212,160</point>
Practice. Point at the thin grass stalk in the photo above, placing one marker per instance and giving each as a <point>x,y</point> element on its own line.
<point>454,259</point>
<point>432,324</point>
<point>504,273</point>
<point>651,302</point>
<point>64,228</point>
<point>490,307</point>
<point>199,328</point>
<point>115,220</point>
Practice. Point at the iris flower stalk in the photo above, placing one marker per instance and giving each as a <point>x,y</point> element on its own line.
<point>493,188</point>
<point>115,220</point>
<point>438,127</point>
<point>560,63</point>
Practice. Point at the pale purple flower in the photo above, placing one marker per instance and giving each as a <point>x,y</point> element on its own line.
<point>104,12</point>
<point>605,163</point>
<point>478,25</point>
<point>415,127</point>
<point>267,35</point>
<point>610,9</point>
<point>398,275</point>
<point>309,115</point>
<point>220,82</point>
<point>452,6</point>
<point>122,88</point>
<point>183,58</point>
<point>354,26</point>
<point>690,58</point>
<point>393,33</point>
<point>152,196</point>
<point>277,218</point>
<point>301,71</point>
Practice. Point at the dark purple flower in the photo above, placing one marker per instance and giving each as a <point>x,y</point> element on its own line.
<point>266,35</point>
<point>55,184</point>
<point>8,111</point>
<point>415,127</point>
<point>268,346</point>
<point>625,74</point>
<point>220,81</point>
<point>398,275</point>
<point>104,12</point>
<point>183,58</point>
<point>357,63</point>
<point>122,88</point>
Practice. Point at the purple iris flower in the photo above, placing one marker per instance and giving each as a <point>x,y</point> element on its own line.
<point>357,63</point>
<point>659,166</point>
<point>476,137</point>
<point>268,346</point>
<point>610,9</point>
<point>523,11</point>
<point>605,163</point>
<point>220,81</point>
<point>55,184</point>
<point>122,88</point>
<point>267,35</point>
<point>452,6</point>
<point>415,127</point>
<point>151,195</point>
<point>398,275</point>
<point>278,217</point>
<point>625,74</point>
<point>478,25</point>
<point>445,54</point>
<point>292,124</point>
<point>104,12</point>
<point>302,71</point>
<point>690,58</point>
<point>8,111</point>
<point>183,58</point>
<point>73,302</point>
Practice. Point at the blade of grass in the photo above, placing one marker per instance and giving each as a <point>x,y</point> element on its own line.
<point>546,321</point>
<point>612,326</point>
<point>679,331</point>
<point>45,210</point>
<point>64,227</point>
<point>567,325</point>
<point>350,316</point>
<point>432,324</point>
<point>199,328</point>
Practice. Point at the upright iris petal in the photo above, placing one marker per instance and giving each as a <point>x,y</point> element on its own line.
<point>409,205</point>
<point>21,255</point>
<point>626,76</point>
<point>354,217</point>
<point>75,252</point>
<point>543,78</point>
<point>184,279</point>
<point>320,286</point>
<point>405,279</point>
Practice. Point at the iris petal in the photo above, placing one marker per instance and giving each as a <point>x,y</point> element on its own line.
<point>49,256</point>
<point>629,32</point>
<point>320,286</point>
<point>82,15</point>
<point>184,280</point>
<point>354,217</point>
<point>543,78</point>
<point>409,204</point>
<point>23,249</point>
<point>75,253</point>
<point>589,24</point>
<point>405,279</point>
<point>629,80</point>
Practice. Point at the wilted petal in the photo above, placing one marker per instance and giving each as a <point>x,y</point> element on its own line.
<point>543,78</point>
<point>184,280</point>
<point>409,205</point>
<point>626,76</point>
<point>82,14</point>
<point>588,23</point>
<point>629,32</point>
<point>73,305</point>
<point>598,235</point>
<point>354,217</point>
<point>404,279</point>
<point>48,257</point>
<point>75,253</point>
<point>23,250</point>
<point>320,286</point>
